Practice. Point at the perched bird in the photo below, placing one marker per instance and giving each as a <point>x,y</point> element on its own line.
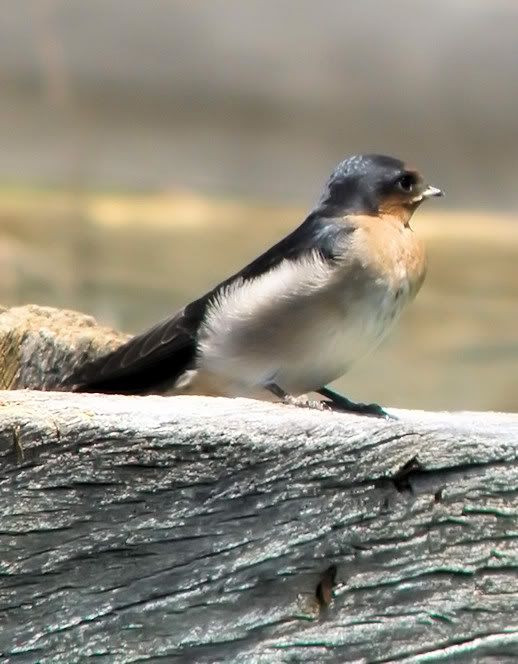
<point>298,316</point>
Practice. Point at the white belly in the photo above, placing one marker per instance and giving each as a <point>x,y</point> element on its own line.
<point>333,344</point>
<point>294,331</point>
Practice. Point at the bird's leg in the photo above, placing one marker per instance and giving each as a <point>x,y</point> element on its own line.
<point>301,402</point>
<point>339,402</point>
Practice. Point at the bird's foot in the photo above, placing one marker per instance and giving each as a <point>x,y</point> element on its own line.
<point>340,403</point>
<point>303,402</point>
<point>333,401</point>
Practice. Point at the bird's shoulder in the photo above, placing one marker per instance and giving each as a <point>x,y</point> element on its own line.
<point>318,234</point>
<point>319,242</point>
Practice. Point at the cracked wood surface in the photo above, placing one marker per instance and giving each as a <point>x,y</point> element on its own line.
<point>193,529</point>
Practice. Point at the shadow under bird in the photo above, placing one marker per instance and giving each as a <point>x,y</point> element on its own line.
<point>299,315</point>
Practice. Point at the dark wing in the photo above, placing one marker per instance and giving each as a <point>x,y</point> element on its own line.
<point>146,362</point>
<point>160,355</point>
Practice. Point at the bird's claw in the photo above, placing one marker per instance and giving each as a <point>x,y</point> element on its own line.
<point>340,403</point>
<point>371,409</point>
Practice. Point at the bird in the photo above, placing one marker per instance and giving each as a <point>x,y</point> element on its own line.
<point>298,316</point>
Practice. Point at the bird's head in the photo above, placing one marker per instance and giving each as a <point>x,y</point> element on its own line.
<point>375,185</point>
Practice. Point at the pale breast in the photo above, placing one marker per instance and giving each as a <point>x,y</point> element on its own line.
<point>393,254</point>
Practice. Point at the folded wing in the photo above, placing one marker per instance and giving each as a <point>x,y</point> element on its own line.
<point>146,363</point>
<point>156,358</point>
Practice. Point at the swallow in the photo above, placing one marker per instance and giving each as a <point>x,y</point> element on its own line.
<point>299,315</point>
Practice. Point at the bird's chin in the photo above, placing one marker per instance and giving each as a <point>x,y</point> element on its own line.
<point>401,212</point>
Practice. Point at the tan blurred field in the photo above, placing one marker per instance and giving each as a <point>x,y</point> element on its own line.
<point>130,260</point>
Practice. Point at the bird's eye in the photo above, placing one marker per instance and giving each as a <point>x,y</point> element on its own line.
<point>406,183</point>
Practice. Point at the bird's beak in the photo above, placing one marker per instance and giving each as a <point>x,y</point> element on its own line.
<point>427,192</point>
<point>430,192</point>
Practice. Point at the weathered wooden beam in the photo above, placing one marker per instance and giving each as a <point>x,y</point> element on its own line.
<point>41,345</point>
<point>210,530</point>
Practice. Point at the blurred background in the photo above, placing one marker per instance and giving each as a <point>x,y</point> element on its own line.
<point>148,149</point>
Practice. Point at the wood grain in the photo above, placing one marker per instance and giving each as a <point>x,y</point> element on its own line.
<point>197,529</point>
